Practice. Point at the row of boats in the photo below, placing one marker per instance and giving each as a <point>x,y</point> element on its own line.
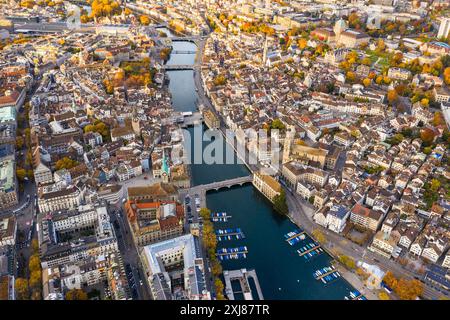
<point>295,237</point>
<point>232,253</point>
<point>308,251</point>
<point>220,217</point>
<point>326,274</point>
<point>233,256</point>
<point>229,234</point>
<point>355,295</point>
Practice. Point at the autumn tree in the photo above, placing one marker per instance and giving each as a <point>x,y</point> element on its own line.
<point>319,235</point>
<point>65,163</point>
<point>447,75</point>
<point>424,102</point>
<point>302,43</point>
<point>390,280</point>
<point>22,289</point>
<point>21,174</point>
<point>218,284</point>
<point>76,294</point>
<point>427,135</point>
<point>392,96</point>
<point>347,261</point>
<point>383,296</point>
<point>408,289</point>
<point>145,20</point>
<point>19,142</point>
<point>36,279</point>
<point>34,264</point>
<point>367,82</point>
<point>350,77</point>
<point>35,246</point>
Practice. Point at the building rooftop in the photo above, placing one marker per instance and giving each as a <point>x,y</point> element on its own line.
<point>7,175</point>
<point>7,114</point>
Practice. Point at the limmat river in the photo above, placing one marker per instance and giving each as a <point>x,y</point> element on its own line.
<point>281,272</point>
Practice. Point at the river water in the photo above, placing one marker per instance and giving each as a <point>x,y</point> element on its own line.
<point>282,274</point>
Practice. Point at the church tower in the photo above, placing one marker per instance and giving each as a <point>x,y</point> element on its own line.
<point>339,27</point>
<point>264,60</point>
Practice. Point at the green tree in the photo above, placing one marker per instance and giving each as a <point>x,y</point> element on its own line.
<point>280,204</point>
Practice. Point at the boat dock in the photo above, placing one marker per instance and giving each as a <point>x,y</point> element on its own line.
<point>220,217</point>
<point>355,295</point>
<point>310,250</point>
<point>229,234</point>
<point>326,274</point>
<point>232,253</point>
<point>243,276</point>
<point>295,236</point>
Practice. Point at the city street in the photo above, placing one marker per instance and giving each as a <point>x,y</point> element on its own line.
<point>129,253</point>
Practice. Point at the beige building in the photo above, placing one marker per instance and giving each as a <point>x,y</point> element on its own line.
<point>8,184</point>
<point>42,174</point>
<point>211,120</point>
<point>267,185</point>
<point>365,217</point>
<point>8,231</point>
<point>154,221</point>
<point>300,152</point>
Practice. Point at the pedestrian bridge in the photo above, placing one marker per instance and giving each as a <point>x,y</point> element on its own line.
<point>203,188</point>
<point>183,52</point>
<point>179,67</point>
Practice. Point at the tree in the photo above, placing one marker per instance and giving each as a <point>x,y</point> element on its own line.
<point>76,294</point>
<point>22,289</point>
<point>319,235</point>
<point>379,79</point>
<point>427,135</point>
<point>350,76</point>
<point>21,174</point>
<point>347,261</point>
<point>36,279</point>
<point>302,43</point>
<point>277,124</point>
<point>390,280</point>
<point>447,75</point>
<point>366,82</point>
<point>409,289</point>
<point>438,119</point>
<point>35,245</point>
<point>392,96</point>
<point>280,204</point>
<point>34,264</point>
<point>425,102</point>
<point>435,185</point>
<point>65,163</point>
<point>145,20</point>
<point>19,142</point>
<point>383,296</point>
<point>219,286</point>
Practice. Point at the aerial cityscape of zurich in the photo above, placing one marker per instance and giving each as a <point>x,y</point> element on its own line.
<point>251,150</point>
